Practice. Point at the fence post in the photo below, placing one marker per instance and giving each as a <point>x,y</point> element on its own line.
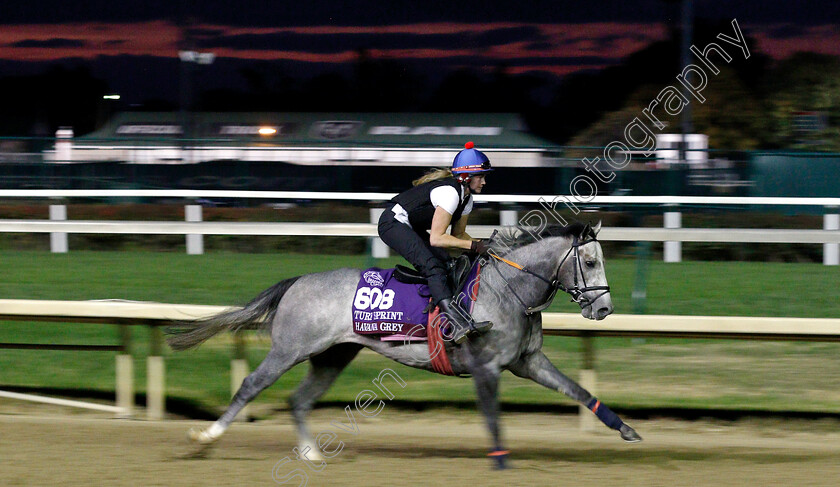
<point>378,249</point>
<point>508,218</point>
<point>588,380</point>
<point>125,375</point>
<point>64,145</point>
<point>831,251</point>
<point>195,242</point>
<point>238,370</point>
<point>673,250</point>
<point>155,377</point>
<point>58,240</point>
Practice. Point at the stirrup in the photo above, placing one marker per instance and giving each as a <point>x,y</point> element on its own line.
<point>475,329</point>
<point>462,322</point>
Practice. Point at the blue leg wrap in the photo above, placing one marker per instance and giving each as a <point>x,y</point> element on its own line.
<point>604,413</point>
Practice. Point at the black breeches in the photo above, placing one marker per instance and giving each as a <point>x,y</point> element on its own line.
<point>430,261</point>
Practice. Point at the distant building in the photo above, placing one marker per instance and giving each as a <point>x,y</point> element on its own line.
<point>668,148</point>
<point>307,139</point>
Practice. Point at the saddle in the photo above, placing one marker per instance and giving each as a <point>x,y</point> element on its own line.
<point>457,271</point>
<point>386,304</point>
<point>387,307</point>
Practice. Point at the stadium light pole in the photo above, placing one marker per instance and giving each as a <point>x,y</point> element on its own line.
<point>687,33</point>
<point>189,59</point>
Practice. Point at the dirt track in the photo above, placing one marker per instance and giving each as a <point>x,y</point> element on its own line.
<point>437,448</point>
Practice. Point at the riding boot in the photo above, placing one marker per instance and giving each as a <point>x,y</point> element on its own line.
<point>464,325</point>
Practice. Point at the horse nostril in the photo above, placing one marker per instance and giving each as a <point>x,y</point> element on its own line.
<point>604,312</point>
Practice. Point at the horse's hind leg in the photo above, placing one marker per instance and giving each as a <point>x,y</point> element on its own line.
<point>325,367</point>
<point>275,364</point>
<point>538,368</point>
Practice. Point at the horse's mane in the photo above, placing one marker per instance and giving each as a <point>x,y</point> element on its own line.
<point>511,238</point>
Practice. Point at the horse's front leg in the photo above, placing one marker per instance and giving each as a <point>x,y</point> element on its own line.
<point>539,369</point>
<point>486,379</point>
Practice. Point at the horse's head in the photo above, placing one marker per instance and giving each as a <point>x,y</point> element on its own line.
<point>582,274</point>
<point>571,254</point>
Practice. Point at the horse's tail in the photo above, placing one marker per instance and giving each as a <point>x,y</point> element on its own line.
<point>256,314</point>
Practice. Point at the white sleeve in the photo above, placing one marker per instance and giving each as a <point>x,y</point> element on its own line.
<point>445,197</point>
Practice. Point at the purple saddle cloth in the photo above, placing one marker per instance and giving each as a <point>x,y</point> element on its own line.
<point>383,305</point>
<point>387,307</point>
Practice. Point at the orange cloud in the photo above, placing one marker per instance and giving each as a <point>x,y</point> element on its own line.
<point>100,39</point>
<point>823,39</point>
<point>588,41</point>
<point>161,39</point>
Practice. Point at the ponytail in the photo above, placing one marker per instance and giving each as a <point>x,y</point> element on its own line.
<point>433,175</point>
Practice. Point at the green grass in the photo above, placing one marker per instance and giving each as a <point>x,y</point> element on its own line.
<point>632,373</point>
<point>691,288</point>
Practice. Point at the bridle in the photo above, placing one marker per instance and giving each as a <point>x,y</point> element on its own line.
<point>576,291</point>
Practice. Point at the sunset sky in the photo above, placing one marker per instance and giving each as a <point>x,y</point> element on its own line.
<point>557,37</point>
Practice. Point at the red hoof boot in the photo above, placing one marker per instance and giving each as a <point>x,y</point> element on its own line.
<point>499,458</point>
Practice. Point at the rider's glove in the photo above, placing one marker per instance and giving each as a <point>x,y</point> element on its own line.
<point>479,247</point>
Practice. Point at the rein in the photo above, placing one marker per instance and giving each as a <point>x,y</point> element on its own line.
<point>576,292</point>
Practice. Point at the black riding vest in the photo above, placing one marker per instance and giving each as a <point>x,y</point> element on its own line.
<point>417,202</point>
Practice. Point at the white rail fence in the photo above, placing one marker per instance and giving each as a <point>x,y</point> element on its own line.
<point>194,228</point>
<point>156,315</point>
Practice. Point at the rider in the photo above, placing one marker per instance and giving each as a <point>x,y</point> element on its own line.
<point>415,223</point>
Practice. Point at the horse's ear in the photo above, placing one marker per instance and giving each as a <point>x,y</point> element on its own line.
<point>587,229</point>
<point>596,229</point>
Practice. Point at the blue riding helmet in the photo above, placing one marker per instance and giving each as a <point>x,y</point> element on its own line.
<point>470,161</point>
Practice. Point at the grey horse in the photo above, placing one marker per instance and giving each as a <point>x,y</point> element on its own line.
<point>526,270</point>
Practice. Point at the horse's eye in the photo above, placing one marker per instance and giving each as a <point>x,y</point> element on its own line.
<point>590,263</point>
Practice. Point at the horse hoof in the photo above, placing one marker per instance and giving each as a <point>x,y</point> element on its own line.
<point>500,459</point>
<point>311,453</point>
<point>201,437</point>
<point>629,435</point>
